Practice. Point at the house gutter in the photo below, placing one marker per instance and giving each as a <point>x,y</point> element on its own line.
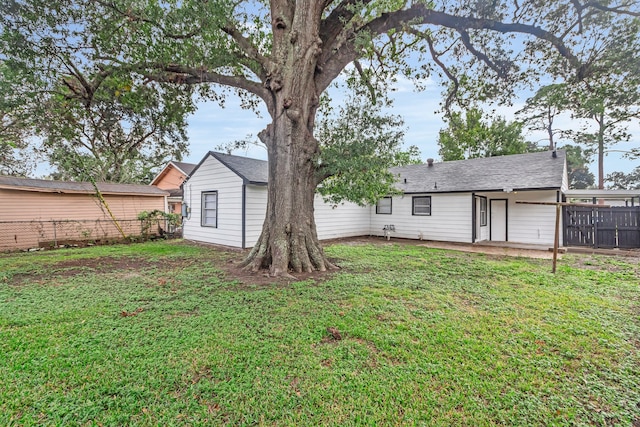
<point>488,190</point>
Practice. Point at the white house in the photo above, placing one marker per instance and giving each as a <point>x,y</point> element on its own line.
<point>226,199</point>
<point>459,201</point>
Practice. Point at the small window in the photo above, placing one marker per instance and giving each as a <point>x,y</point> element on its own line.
<point>483,211</point>
<point>422,205</point>
<point>210,209</point>
<point>384,206</point>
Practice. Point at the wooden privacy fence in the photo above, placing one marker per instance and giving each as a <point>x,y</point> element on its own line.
<point>597,227</point>
<point>22,235</point>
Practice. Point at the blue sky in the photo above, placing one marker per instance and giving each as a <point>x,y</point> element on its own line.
<point>212,126</point>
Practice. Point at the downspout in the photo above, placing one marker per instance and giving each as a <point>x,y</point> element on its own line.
<point>244,215</point>
<point>473,217</point>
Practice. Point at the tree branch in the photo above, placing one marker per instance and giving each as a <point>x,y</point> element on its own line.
<point>249,50</point>
<point>595,5</point>
<point>333,25</point>
<point>419,14</point>
<point>129,14</point>
<point>366,81</point>
<point>179,74</point>
<point>456,84</point>
<point>500,70</point>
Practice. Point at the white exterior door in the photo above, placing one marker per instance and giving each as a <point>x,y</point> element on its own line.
<point>498,220</point>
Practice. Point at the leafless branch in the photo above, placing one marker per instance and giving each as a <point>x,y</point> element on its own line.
<point>454,80</point>
<point>366,81</point>
<point>501,70</point>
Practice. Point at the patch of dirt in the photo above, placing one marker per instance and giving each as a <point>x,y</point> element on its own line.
<point>608,263</point>
<point>249,280</point>
<point>101,265</point>
<point>229,259</point>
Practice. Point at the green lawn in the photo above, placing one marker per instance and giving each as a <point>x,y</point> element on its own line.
<point>159,334</point>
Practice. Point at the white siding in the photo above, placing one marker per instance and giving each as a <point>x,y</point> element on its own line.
<point>565,178</point>
<point>214,176</point>
<point>255,213</point>
<point>532,223</point>
<point>345,220</point>
<point>450,219</point>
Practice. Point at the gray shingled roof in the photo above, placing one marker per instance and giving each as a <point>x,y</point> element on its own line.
<point>517,172</point>
<point>42,185</point>
<point>175,192</point>
<point>185,167</point>
<point>253,171</point>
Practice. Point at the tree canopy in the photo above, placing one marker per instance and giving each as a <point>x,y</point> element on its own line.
<point>118,133</point>
<point>578,160</point>
<point>624,181</point>
<point>604,101</point>
<point>286,54</point>
<point>15,126</point>
<point>471,136</point>
<point>541,110</point>
<point>359,143</point>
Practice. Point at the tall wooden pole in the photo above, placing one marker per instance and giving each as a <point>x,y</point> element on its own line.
<point>556,240</point>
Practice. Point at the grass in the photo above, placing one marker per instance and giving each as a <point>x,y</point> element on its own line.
<point>158,334</point>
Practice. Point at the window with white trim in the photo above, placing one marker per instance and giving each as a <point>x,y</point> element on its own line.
<point>483,211</point>
<point>421,205</point>
<point>209,209</point>
<point>384,206</point>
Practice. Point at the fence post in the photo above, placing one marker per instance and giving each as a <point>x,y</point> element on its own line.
<point>595,227</point>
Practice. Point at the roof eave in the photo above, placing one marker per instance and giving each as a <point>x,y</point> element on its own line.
<point>231,168</point>
<point>89,192</point>
<point>495,190</point>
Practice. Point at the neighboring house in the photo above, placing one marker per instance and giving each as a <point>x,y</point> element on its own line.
<point>170,179</point>
<point>30,206</point>
<point>461,201</point>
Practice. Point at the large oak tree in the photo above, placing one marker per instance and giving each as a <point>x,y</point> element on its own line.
<point>286,53</point>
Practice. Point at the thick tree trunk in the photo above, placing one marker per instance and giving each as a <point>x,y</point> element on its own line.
<point>289,241</point>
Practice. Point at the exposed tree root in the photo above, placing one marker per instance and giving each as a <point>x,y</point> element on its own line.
<point>300,253</point>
